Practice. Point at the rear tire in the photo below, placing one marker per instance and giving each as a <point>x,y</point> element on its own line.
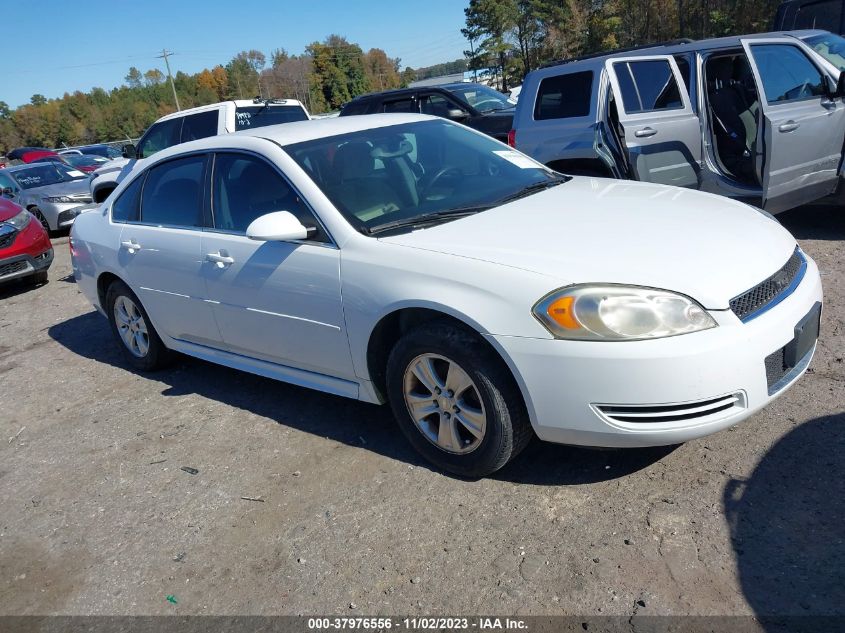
<point>137,338</point>
<point>455,400</point>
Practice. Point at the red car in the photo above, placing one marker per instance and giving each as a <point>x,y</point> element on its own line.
<point>25,249</point>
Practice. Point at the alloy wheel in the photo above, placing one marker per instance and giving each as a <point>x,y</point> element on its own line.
<point>131,326</point>
<point>444,403</point>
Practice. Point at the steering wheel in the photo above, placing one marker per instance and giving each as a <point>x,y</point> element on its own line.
<point>442,173</point>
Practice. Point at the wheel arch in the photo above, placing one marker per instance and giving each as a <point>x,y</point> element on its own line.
<point>394,324</point>
<point>104,280</point>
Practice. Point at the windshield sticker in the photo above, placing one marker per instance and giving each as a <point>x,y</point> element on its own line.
<point>523,162</point>
<point>73,173</point>
<point>27,181</point>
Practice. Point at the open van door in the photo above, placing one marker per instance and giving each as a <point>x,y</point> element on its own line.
<point>662,134</point>
<point>802,128</point>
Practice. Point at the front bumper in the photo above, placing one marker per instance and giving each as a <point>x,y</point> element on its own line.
<point>24,265</point>
<point>60,215</point>
<point>666,391</point>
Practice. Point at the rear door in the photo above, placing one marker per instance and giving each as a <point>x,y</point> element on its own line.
<point>799,144</point>
<point>661,133</point>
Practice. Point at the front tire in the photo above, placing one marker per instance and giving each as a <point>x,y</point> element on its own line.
<point>40,217</point>
<point>140,343</point>
<point>455,400</point>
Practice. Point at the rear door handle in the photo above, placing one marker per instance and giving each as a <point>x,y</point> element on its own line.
<point>131,246</point>
<point>789,126</point>
<point>221,260</point>
<point>645,132</point>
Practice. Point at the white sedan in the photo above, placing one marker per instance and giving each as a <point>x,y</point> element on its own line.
<point>408,259</point>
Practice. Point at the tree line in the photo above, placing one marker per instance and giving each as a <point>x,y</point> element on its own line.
<point>513,37</point>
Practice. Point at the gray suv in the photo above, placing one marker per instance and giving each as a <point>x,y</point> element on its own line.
<point>759,118</point>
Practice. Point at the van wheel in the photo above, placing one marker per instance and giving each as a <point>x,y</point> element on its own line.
<point>138,340</point>
<point>455,400</point>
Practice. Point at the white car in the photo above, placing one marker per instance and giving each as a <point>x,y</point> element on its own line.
<point>408,259</point>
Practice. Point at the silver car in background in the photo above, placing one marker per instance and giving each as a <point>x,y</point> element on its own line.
<point>53,192</point>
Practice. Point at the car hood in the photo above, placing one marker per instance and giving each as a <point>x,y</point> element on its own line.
<point>113,165</point>
<point>8,210</point>
<point>80,185</point>
<point>593,230</point>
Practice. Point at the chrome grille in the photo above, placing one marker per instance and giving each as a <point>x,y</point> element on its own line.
<point>651,413</point>
<point>754,301</point>
<point>6,239</point>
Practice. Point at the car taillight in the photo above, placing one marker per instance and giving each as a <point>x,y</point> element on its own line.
<point>512,138</point>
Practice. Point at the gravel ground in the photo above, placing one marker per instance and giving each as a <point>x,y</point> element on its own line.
<point>98,517</point>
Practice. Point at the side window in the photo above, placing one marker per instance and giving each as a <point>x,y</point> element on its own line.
<point>648,86</point>
<point>564,96</point>
<point>684,67</point>
<point>438,105</point>
<point>825,15</point>
<point>6,182</point>
<point>173,193</point>
<point>245,188</point>
<point>406,104</point>
<point>199,126</point>
<point>127,207</point>
<point>160,136</point>
<point>787,73</point>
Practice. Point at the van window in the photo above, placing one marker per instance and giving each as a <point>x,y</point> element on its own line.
<point>200,125</point>
<point>564,96</point>
<point>787,74</point>
<point>825,15</point>
<point>647,86</point>
<point>173,193</point>
<point>160,136</point>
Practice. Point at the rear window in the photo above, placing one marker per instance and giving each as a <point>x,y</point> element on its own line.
<point>564,96</point>
<point>825,15</point>
<point>261,115</point>
<point>647,86</point>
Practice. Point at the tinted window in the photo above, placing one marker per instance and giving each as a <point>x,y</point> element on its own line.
<point>437,105</point>
<point>354,107</point>
<point>199,125</point>
<point>787,74</point>
<point>160,136</point>
<point>820,15</point>
<point>683,66</point>
<point>127,207</point>
<point>829,46</point>
<point>245,188</point>
<point>647,86</point>
<point>42,174</point>
<point>172,194</point>
<point>400,105</point>
<point>6,182</point>
<point>259,116</point>
<point>564,96</point>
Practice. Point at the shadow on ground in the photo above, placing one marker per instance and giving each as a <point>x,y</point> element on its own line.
<point>354,423</point>
<point>788,524</point>
<point>815,222</point>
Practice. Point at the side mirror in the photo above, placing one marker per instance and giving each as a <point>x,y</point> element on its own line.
<point>456,114</point>
<point>8,192</point>
<point>129,151</point>
<point>280,226</point>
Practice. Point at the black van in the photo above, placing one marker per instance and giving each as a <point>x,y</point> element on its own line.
<point>811,14</point>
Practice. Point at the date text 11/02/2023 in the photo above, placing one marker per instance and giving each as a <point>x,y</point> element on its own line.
<point>417,623</point>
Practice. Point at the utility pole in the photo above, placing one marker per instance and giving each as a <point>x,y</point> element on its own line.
<point>164,54</point>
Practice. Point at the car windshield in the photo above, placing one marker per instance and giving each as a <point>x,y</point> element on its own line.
<point>271,114</point>
<point>829,46</point>
<point>482,98</point>
<point>42,174</point>
<point>84,160</point>
<point>401,174</point>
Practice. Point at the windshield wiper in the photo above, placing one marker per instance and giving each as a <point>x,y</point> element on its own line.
<point>427,218</point>
<point>534,188</point>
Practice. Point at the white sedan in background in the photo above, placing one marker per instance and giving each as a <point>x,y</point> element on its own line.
<point>407,259</point>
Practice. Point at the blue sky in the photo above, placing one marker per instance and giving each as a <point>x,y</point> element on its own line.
<point>56,46</point>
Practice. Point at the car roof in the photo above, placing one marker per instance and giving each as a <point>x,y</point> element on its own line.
<point>300,131</point>
<point>676,47</point>
<point>238,103</point>
<point>398,91</point>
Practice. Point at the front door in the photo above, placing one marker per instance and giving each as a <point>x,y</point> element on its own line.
<point>275,301</point>
<point>161,251</point>
<point>799,144</point>
<point>661,133</point>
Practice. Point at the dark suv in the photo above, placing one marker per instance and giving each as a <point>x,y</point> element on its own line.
<point>477,106</point>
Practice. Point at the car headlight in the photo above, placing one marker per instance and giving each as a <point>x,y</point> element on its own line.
<point>20,220</point>
<point>57,199</point>
<point>619,313</point>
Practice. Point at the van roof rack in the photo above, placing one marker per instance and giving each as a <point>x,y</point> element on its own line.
<point>616,51</point>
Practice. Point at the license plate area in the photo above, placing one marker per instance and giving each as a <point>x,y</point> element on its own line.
<point>783,364</point>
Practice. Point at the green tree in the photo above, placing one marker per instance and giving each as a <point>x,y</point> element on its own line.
<point>38,99</point>
<point>338,74</point>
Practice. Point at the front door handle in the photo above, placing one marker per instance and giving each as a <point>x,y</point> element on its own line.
<point>131,245</point>
<point>645,132</point>
<point>221,260</point>
<point>789,126</point>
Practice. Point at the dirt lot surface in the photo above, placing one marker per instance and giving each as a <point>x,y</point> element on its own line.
<point>98,517</point>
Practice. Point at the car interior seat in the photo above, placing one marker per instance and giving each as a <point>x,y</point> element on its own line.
<point>730,131</point>
<point>366,193</point>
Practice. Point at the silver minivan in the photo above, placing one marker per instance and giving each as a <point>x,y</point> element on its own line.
<point>759,118</point>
